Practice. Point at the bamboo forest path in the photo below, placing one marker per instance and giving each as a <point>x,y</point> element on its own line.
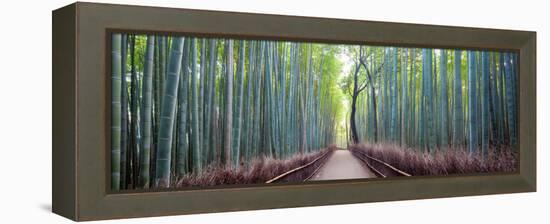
<point>343,165</point>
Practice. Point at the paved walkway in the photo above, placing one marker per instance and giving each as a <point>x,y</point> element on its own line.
<point>343,165</point>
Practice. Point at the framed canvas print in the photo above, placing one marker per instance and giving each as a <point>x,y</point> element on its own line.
<point>202,111</point>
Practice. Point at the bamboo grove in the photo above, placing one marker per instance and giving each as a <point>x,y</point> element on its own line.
<point>182,104</point>
<point>432,100</point>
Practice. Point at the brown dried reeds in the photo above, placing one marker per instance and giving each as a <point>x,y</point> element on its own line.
<point>258,171</point>
<point>442,162</point>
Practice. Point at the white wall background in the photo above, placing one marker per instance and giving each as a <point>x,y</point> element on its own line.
<point>25,111</point>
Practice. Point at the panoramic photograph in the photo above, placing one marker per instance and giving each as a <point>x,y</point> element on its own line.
<point>197,112</point>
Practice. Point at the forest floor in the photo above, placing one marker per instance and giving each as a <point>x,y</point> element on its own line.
<point>338,164</point>
<point>343,165</point>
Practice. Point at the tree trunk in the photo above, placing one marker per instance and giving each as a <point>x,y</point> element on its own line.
<point>210,110</point>
<point>167,115</point>
<point>472,104</point>
<point>353,127</point>
<point>134,89</point>
<point>124,114</point>
<point>375,115</point>
<point>183,98</point>
<point>509,73</point>
<point>115,110</point>
<point>228,101</point>
<point>484,104</point>
<point>238,108</point>
<point>195,139</point>
<point>443,98</point>
<point>427,71</point>
<point>146,113</point>
<point>404,98</point>
<point>393,102</point>
<point>458,118</point>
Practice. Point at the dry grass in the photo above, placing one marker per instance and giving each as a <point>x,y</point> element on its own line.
<point>260,170</point>
<point>443,162</point>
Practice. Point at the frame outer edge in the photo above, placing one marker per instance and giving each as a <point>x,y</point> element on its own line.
<point>528,110</point>
<point>95,202</point>
<point>64,112</point>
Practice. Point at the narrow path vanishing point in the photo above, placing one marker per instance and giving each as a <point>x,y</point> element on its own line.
<point>343,165</point>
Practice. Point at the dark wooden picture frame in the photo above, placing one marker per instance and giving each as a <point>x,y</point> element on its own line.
<point>81,111</point>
